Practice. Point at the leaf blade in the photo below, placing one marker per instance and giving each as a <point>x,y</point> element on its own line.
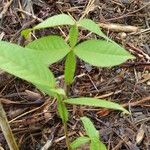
<point>24,64</point>
<point>89,127</point>
<point>96,103</point>
<point>50,48</point>
<point>79,141</point>
<point>70,66</point>
<point>56,20</point>
<point>25,33</point>
<point>92,26</point>
<point>62,109</point>
<point>101,53</point>
<point>91,131</point>
<point>97,145</point>
<point>73,35</point>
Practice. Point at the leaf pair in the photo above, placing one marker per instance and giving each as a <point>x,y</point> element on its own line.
<point>96,52</point>
<point>63,19</point>
<point>93,137</point>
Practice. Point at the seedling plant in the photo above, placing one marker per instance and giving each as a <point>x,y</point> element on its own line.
<point>31,64</point>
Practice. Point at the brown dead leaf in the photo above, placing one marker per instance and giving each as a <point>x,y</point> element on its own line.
<point>140,135</point>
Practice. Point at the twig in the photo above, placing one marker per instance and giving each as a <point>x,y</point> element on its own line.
<point>2,35</point>
<point>7,130</point>
<point>137,102</point>
<point>63,137</point>
<point>88,8</point>
<point>141,31</point>
<point>31,15</point>
<point>119,28</point>
<point>128,14</point>
<point>137,50</point>
<point>5,9</point>
<point>105,112</point>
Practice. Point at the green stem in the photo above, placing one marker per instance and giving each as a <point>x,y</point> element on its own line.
<point>67,89</point>
<point>66,135</point>
<point>7,130</point>
<point>62,112</point>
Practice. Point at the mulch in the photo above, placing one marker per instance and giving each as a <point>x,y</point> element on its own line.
<point>33,115</point>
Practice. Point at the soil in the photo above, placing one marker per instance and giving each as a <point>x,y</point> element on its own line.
<point>33,117</point>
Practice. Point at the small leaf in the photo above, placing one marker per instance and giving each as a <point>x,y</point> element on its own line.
<point>102,146</point>
<point>73,35</point>
<point>25,33</point>
<point>79,141</point>
<point>50,48</point>
<point>24,64</point>
<point>63,112</point>
<point>59,91</point>
<point>97,145</point>
<point>56,91</point>
<point>89,127</point>
<point>91,131</point>
<point>92,26</point>
<point>57,20</point>
<point>70,66</point>
<point>96,103</point>
<point>102,53</point>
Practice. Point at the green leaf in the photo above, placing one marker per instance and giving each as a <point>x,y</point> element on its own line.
<point>96,103</point>
<point>25,33</point>
<point>102,53</point>
<point>97,145</point>
<point>89,127</point>
<point>63,112</point>
<point>102,146</point>
<point>50,48</point>
<point>70,66</point>
<point>52,91</point>
<point>91,131</point>
<point>24,64</point>
<point>58,91</point>
<point>57,20</point>
<point>79,141</point>
<point>73,35</point>
<point>92,26</point>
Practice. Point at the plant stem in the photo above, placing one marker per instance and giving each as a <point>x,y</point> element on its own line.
<point>7,130</point>
<point>67,89</point>
<point>66,135</point>
<point>63,112</point>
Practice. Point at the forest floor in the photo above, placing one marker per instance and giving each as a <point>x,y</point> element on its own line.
<point>35,122</point>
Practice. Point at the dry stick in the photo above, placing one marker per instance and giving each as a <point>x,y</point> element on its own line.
<point>110,26</point>
<point>7,130</point>
<point>136,103</point>
<point>119,28</point>
<point>87,9</point>
<point>5,9</point>
<point>128,14</point>
<point>29,14</point>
